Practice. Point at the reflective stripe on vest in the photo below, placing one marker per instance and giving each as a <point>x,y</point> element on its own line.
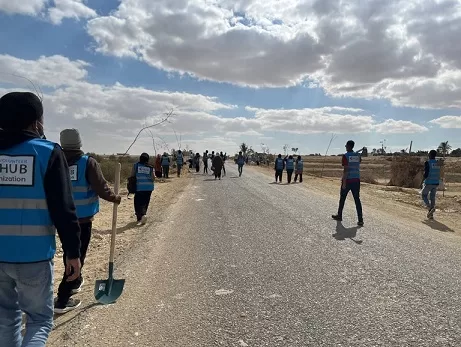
<point>279,163</point>
<point>180,159</point>
<point>290,164</point>
<point>86,200</point>
<point>165,161</point>
<point>27,233</point>
<point>434,172</point>
<point>299,165</point>
<point>353,165</point>
<point>144,180</point>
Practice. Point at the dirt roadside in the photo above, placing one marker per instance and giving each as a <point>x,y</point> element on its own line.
<point>399,202</point>
<point>165,195</point>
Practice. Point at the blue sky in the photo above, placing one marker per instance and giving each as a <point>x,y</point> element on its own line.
<point>242,71</point>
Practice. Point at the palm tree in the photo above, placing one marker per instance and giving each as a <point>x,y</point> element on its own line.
<point>444,148</point>
<point>244,147</point>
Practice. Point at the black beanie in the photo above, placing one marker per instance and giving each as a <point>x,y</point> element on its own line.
<point>18,110</point>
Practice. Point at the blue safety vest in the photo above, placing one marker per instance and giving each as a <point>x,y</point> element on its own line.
<point>279,163</point>
<point>27,233</point>
<point>180,159</point>
<point>240,160</point>
<point>144,180</point>
<point>434,173</point>
<point>86,200</point>
<point>299,165</point>
<point>165,161</point>
<point>290,164</point>
<point>353,165</point>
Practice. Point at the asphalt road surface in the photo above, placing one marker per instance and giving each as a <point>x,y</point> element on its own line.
<point>243,262</point>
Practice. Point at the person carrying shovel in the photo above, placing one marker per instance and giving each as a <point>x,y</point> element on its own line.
<point>35,198</point>
<point>88,185</point>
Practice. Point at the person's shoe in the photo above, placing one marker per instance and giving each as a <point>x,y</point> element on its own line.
<point>360,223</point>
<point>337,218</point>
<point>61,308</point>
<point>78,287</point>
<point>143,220</point>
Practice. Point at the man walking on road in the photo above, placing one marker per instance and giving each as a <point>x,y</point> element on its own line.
<point>165,165</point>
<point>431,182</point>
<point>144,186</point>
<point>279,166</point>
<point>240,163</point>
<point>35,198</point>
<point>299,169</point>
<point>290,165</point>
<point>223,157</point>
<point>88,184</point>
<point>205,163</point>
<point>179,162</point>
<point>350,182</point>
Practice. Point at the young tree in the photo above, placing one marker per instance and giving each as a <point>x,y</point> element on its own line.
<point>285,148</point>
<point>444,148</point>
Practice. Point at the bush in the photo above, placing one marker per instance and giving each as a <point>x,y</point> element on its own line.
<point>367,177</point>
<point>406,172</point>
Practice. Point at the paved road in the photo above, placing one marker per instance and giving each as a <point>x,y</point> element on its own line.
<point>242,262</point>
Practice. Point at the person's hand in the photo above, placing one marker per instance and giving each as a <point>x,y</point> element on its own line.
<point>118,199</point>
<point>343,185</point>
<point>73,267</point>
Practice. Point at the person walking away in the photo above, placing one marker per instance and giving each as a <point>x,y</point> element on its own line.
<point>197,162</point>
<point>165,165</point>
<point>240,163</point>
<point>88,184</point>
<point>279,166</point>
<point>144,187</point>
<point>350,182</point>
<point>290,166</point>
<point>223,157</point>
<point>179,162</point>
<point>35,201</point>
<point>431,183</point>
<point>299,169</point>
<point>205,163</point>
<point>158,166</point>
<point>217,164</point>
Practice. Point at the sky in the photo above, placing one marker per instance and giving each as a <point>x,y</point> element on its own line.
<point>265,72</point>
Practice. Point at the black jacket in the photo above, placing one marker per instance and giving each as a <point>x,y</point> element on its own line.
<point>58,190</point>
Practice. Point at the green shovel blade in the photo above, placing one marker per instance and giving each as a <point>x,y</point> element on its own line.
<point>108,291</point>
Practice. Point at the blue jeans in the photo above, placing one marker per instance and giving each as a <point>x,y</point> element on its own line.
<point>431,190</point>
<point>26,288</point>
<point>354,188</point>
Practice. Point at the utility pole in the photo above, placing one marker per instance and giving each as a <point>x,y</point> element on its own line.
<point>411,144</point>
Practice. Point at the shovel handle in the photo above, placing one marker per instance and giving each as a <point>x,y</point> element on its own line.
<point>114,213</point>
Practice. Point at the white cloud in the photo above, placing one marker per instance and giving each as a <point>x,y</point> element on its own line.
<point>396,49</point>
<point>391,126</point>
<point>54,11</point>
<point>69,9</point>
<point>448,122</point>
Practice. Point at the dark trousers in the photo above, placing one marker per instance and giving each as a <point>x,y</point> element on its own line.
<point>205,167</point>
<point>141,203</point>
<point>217,174</point>
<point>197,167</point>
<point>65,288</point>
<point>300,177</point>
<point>278,175</point>
<point>289,174</point>
<point>179,170</point>
<point>166,171</point>
<point>353,187</point>
<point>240,169</point>
<point>224,169</point>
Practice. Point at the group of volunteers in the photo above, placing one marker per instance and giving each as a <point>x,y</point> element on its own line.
<point>218,161</point>
<point>290,165</point>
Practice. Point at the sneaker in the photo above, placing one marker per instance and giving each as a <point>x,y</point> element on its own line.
<point>336,217</point>
<point>78,287</point>
<point>360,223</point>
<point>143,220</point>
<point>61,308</point>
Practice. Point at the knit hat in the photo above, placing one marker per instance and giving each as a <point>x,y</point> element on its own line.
<point>70,139</point>
<point>18,110</point>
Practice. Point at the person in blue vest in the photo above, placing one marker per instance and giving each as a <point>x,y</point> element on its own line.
<point>240,163</point>
<point>88,185</point>
<point>179,162</point>
<point>290,167</point>
<point>35,201</point>
<point>279,166</point>
<point>144,174</point>
<point>165,165</point>
<point>350,182</point>
<point>431,182</point>
<point>299,169</point>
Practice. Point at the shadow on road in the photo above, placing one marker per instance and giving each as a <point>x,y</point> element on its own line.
<point>343,233</point>
<point>67,318</point>
<point>209,180</point>
<point>129,226</point>
<point>436,225</point>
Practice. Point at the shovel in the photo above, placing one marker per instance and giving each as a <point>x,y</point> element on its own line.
<point>108,291</point>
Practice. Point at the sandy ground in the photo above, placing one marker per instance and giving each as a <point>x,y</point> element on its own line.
<point>165,194</point>
<point>402,202</point>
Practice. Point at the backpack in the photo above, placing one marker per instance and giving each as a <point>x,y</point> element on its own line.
<point>131,185</point>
